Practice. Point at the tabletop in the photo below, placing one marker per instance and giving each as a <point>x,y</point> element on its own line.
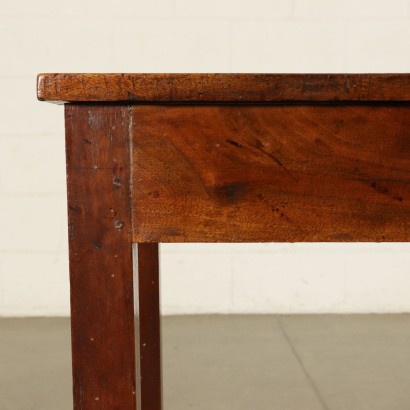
<point>222,87</point>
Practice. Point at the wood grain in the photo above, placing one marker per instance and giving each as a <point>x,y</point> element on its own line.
<point>271,173</point>
<point>101,265</point>
<point>222,87</point>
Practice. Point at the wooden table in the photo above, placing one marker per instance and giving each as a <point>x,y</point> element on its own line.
<point>211,158</point>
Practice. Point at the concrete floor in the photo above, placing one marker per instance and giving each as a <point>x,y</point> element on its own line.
<point>327,362</point>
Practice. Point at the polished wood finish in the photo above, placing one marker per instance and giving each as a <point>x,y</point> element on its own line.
<point>271,173</point>
<point>211,157</point>
<point>101,269</point>
<point>222,87</point>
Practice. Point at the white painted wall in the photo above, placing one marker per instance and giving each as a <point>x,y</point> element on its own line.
<point>184,36</point>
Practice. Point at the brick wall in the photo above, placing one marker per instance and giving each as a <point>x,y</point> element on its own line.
<point>184,36</point>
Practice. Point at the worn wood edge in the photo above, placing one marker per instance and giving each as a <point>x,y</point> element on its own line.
<point>250,88</point>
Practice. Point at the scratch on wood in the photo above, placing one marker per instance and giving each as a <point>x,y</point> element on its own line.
<point>260,147</point>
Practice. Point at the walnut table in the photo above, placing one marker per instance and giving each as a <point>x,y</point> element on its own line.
<point>211,158</point>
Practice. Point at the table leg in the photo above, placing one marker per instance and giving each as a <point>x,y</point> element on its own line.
<point>101,260</point>
<point>148,327</point>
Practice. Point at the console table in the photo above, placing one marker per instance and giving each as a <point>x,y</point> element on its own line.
<point>211,158</point>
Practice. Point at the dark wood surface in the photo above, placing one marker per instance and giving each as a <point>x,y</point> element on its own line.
<point>114,306</point>
<point>222,87</point>
<point>149,389</point>
<point>101,269</point>
<point>271,173</point>
<point>101,265</point>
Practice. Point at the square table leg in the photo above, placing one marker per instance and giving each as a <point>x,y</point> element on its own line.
<point>146,285</point>
<point>104,318</point>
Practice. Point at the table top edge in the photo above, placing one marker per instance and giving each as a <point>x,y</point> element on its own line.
<point>221,87</point>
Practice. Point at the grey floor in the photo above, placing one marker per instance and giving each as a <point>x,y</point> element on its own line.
<point>322,362</point>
